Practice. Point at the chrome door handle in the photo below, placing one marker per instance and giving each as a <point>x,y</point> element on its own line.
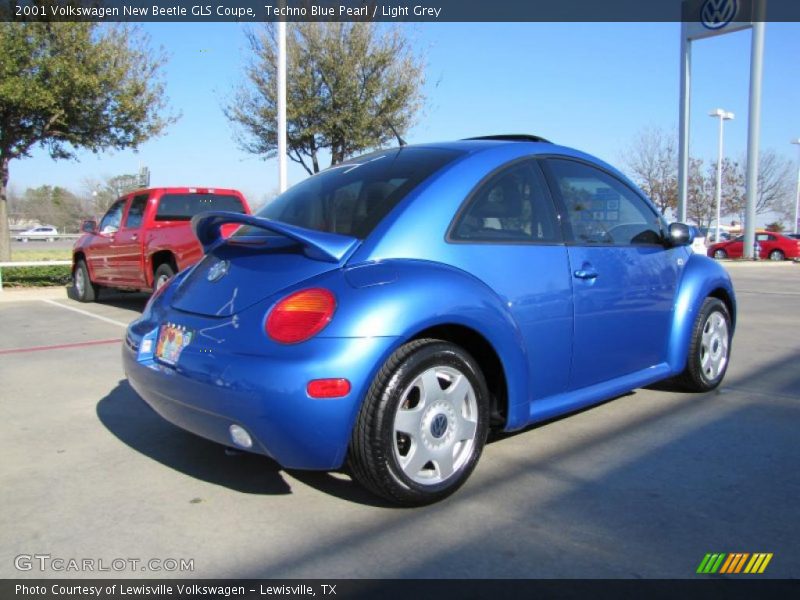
<point>586,273</point>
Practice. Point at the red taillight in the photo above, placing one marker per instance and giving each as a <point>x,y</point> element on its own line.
<point>300,316</point>
<point>328,388</point>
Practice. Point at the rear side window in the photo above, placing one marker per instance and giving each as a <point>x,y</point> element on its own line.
<point>512,206</point>
<point>601,209</point>
<point>182,207</point>
<point>352,198</point>
<point>136,212</point>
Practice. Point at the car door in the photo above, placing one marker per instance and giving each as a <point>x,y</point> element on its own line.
<point>736,248</point>
<point>623,277</point>
<point>126,255</point>
<point>507,234</point>
<point>101,250</point>
<point>767,242</point>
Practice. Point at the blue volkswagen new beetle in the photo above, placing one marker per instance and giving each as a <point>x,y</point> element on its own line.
<point>388,312</point>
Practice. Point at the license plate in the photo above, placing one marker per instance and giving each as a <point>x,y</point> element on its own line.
<point>172,339</point>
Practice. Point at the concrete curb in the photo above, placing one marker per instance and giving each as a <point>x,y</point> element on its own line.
<point>767,264</point>
<point>28,294</point>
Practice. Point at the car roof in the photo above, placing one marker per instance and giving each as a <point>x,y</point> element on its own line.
<point>524,144</point>
<point>200,189</point>
<point>487,144</point>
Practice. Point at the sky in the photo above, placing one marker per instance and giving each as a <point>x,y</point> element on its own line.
<point>592,86</point>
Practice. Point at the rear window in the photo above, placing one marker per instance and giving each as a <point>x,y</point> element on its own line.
<point>182,207</point>
<point>352,198</point>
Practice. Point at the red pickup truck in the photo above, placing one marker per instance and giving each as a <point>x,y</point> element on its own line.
<point>145,238</point>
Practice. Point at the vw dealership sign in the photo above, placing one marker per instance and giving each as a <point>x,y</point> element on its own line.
<point>716,14</point>
<point>706,18</point>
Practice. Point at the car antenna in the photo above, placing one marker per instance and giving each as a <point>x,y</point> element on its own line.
<point>401,142</point>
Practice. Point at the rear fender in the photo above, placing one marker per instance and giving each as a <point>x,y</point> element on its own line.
<point>401,298</point>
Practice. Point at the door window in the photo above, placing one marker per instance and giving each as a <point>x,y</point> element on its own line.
<point>512,206</point>
<point>111,220</point>
<point>601,209</point>
<point>136,212</point>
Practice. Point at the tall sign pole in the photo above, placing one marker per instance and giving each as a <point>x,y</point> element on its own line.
<point>753,136</point>
<point>708,18</point>
<point>683,135</point>
<point>281,106</point>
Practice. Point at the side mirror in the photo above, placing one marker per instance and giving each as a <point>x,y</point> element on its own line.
<point>89,226</point>
<point>680,234</point>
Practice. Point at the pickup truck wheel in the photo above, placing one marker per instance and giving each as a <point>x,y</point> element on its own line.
<point>162,275</point>
<point>85,290</point>
<point>423,424</point>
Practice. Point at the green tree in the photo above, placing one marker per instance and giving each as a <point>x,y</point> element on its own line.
<point>348,86</point>
<point>71,86</point>
<point>54,206</point>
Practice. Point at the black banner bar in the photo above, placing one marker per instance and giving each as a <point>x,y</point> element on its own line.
<point>739,588</point>
<point>391,10</point>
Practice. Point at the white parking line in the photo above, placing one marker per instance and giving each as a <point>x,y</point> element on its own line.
<point>86,312</point>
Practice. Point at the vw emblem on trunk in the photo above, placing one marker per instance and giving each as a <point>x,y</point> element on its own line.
<point>439,425</point>
<point>718,13</point>
<point>218,271</point>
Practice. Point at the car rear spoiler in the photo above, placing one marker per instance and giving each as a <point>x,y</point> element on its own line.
<point>319,245</point>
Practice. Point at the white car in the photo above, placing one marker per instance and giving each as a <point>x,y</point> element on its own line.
<point>45,232</point>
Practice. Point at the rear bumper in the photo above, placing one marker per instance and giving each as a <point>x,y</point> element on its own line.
<point>207,392</point>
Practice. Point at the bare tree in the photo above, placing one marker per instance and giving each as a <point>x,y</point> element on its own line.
<point>652,161</point>
<point>775,187</point>
<point>702,190</point>
<point>700,195</point>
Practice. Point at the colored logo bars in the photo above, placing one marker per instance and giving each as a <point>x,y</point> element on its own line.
<point>734,562</point>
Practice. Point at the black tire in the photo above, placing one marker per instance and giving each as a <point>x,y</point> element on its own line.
<point>163,273</point>
<point>720,253</point>
<point>777,255</point>
<point>85,289</point>
<point>708,358</point>
<point>377,446</point>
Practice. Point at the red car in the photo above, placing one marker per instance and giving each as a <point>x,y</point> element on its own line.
<point>144,238</point>
<point>773,246</point>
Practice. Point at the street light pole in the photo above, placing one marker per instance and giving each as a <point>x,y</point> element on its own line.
<point>722,115</point>
<point>797,194</point>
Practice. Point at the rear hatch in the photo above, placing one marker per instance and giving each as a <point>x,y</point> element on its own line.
<point>260,260</point>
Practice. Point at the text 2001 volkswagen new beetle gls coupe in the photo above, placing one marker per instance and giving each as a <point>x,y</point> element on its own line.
<point>386,313</point>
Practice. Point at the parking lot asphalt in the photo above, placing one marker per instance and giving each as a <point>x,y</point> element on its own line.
<point>641,486</point>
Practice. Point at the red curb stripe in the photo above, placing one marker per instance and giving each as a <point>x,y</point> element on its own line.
<point>60,346</point>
